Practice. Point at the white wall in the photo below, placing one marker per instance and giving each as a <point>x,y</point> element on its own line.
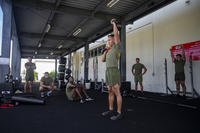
<point>153,36</point>
<point>140,44</point>
<point>42,65</point>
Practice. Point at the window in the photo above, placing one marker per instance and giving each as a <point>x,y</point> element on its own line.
<point>1,28</point>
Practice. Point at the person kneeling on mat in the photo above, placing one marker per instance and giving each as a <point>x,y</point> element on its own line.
<point>76,91</point>
<point>46,85</point>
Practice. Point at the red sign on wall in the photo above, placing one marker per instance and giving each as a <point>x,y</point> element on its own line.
<point>191,49</point>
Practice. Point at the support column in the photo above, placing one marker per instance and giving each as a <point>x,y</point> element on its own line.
<point>16,58</point>
<point>56,62</point>
<point>16,54</point>
<point>6,6</point>
<point>86,57</point>
<point>123,52</point>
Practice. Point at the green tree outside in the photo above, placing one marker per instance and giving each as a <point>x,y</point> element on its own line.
<point>35,75</point>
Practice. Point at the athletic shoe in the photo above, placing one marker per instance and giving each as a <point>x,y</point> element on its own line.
<point>42,94</point>
<point>109,112</point>
<point>49,93</point>
<point>81,101</point>
<point>116,117</point>
<point>89,99</point>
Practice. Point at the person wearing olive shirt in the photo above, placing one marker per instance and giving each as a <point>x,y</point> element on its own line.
<point>111,56</point>
<point>30,67</point>
<point>179,77</point>
<point>138,74</point>
<point>179,62</point>
<point>46,85</point>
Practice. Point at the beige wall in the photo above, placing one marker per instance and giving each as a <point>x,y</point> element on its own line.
<point>77,66</point>
<point>155,34</point>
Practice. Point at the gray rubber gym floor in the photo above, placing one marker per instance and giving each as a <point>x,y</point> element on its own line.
<point>140,116</point>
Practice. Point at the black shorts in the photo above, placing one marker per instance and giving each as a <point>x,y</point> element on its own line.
<point>180,76</point>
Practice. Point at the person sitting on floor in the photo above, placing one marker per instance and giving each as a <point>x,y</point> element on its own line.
<point>76,91</point>
<point>46,85</point>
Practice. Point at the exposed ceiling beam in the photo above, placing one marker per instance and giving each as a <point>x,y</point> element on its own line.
<point>62,9</point>
<point>42,53</point>
<point>46,52</point>
<point>43,49</point>
<point>52,37</point>
<point>83,22</point>
<point>41,56</point>
<point>100,32</point>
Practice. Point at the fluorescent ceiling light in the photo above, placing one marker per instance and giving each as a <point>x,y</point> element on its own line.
<point>48,27</point>
<point>39,45</point>
<point>112,3</point>
<point>59,47</point>
<point>35,52</point>
<point>77,32</point>
<point>51,53</point>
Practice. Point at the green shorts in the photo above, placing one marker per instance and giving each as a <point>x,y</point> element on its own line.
<point>180,76</point>
<point>112,76</point>
<point>138,78</point>
<point>29,77</point>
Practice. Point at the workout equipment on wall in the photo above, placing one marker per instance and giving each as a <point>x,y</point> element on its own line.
<point>67,74</point>
<point>61,73</point>
<point>67,77</point>
<point>166,79</point>
<point>61,76</point>
<point>68,71</point>
<point>62,60</point>
<point>61,68</point>
<point>194,92</point>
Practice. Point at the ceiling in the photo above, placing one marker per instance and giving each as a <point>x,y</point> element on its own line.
<point>44,25</point>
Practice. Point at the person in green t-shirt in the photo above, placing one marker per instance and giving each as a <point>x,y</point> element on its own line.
<point>46,85</point>
<point>30,67</point>
<point>179,62</point>
<point>138,74</point>
<point>111,56</point>
<point>76,91</point>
